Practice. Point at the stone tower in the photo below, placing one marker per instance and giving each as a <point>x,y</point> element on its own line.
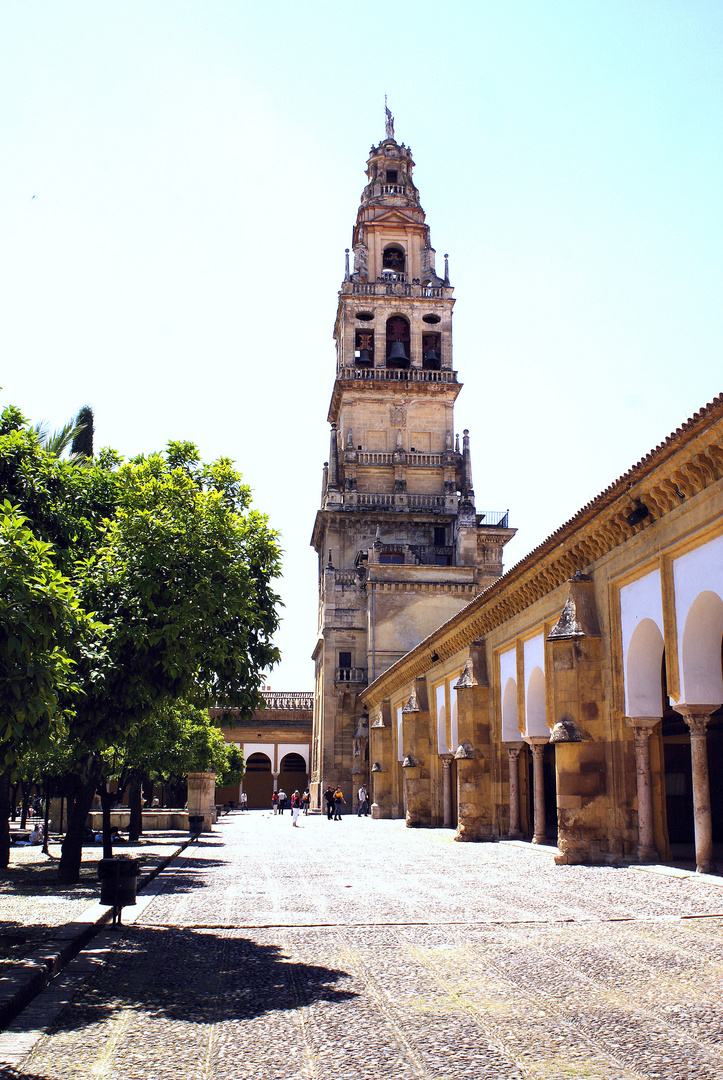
<point>401,545</point>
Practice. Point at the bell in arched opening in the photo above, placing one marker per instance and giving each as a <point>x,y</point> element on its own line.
<point>364,347</point>
<point>431,360</point>
<point>397,342</point>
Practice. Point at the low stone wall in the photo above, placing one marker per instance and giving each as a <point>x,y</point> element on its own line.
<point>153,820</point>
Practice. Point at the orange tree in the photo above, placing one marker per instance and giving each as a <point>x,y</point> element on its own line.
<point>182,583</point>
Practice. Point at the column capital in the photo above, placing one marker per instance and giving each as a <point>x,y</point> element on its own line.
<point>642,723</point>
<point>696,717</point>
<point>536,740</point>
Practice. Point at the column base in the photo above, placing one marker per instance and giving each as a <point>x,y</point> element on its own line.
<point>706,868</point>
<point>648,855</point>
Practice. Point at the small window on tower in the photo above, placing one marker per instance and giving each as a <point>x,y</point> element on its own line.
<point>344,659</point>
<point>440,536</point>
<point>392,176</point>
<point>390,558</point>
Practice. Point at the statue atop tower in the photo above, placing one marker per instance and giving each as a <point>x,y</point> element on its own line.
<point>389,120</point>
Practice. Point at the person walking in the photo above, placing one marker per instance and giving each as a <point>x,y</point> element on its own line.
<point>339,801</point>
<point>244,800</point>
<point>363,807</point>
<point>275,803</point>
<point>282,800</point>
<point>305,802</point>
<point>329,800</point>
<point>295,808</point>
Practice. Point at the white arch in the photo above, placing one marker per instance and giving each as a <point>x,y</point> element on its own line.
<point>453,720</point>
<point>294,748</point>
<point>536,718</point>
<point>643,671</point>
<point>400,741</point>
<point>696,573</point>
<point>510,728</point>
<point>700,675</point>
<point>268,749</point>
<point>442,747</point>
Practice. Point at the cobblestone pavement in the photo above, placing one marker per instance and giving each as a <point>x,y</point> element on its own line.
<point>359,949</point>
<point>33,905</point>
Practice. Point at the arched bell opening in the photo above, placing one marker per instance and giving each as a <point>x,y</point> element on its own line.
<point>258,781</point>
<point>431,352</point>
<point>394,260</point>
<point>364,348</point>
<point>397,342</point>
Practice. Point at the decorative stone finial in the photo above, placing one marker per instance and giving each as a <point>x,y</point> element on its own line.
<point>346,264</point>
<point>467,678</point>
<point>410,762</point>
<point>464,752</point>
<point>566,731</point>
<point>412,705</point>
<point>578,618</point>
<point>376,767</point>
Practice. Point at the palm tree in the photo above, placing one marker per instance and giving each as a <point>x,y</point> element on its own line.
<point>76,434</point>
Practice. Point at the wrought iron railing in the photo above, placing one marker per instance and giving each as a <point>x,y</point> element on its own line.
<point>495,519</point>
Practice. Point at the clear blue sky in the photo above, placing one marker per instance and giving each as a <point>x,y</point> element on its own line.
<point>178,182</point>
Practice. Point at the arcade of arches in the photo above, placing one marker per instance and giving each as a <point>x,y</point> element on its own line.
<point>275,744</point>
<point>579,700</point>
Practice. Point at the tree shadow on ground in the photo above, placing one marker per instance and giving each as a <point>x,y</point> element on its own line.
<point>200,977</point>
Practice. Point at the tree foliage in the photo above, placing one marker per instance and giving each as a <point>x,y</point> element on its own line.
<point>170,567</point>
<point>43,630</point>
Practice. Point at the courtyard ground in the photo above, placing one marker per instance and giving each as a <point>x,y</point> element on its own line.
<point>355,950</point>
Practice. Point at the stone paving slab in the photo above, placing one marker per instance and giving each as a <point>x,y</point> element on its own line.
<point>374,951</point>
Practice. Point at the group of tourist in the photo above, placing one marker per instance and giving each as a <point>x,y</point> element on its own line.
<point>334,799</point>
<point>297,803</point>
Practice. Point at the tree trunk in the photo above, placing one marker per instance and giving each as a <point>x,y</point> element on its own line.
<point>24,811</point>
<point>5,793</point>
<point>107,800</point>
<point>13,800</point>
<point>46,822</point>
<point>89,774</point>
<point>135,826</point>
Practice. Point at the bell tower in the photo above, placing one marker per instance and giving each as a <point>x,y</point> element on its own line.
<point>400,542</point>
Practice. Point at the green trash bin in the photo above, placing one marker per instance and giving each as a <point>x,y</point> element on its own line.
<point>118,878</point>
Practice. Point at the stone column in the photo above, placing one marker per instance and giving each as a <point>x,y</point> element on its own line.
<point>513,755</point>
<point>537,744</point>
<point>642,730</point>
<point>447,790</point>
<point>697,717</point>
<point>201,797</point>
